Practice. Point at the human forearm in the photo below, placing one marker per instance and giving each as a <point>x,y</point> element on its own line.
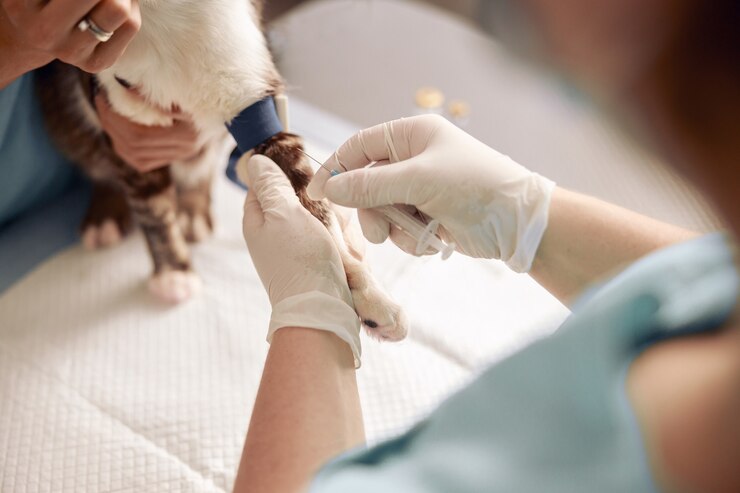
<point>586,239</point>
<point>307,411</point>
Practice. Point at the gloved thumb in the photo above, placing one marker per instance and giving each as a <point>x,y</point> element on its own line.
<point>372,187</point>
<point>268,183</point>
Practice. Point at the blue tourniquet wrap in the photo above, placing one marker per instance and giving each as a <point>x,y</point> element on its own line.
<point>250,128</point>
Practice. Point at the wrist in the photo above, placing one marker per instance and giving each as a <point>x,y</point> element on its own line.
<point>320,311</point>
<point>533,217</point>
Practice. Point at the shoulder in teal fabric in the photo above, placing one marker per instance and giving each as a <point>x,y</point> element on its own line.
<point>555,417</point>
<point>32,172</point>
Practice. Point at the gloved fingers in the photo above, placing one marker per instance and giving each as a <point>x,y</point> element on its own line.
<point>384,142</point>
<point>378,143</point>
<point>404,241</point>
<point>316,186</point>
<point>268,182</point>
<point>254,218</point>
<point>351,231</point>
<point>372,187</point>
<point>375,227</point>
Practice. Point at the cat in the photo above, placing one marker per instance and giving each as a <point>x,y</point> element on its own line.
<point>209,58</point>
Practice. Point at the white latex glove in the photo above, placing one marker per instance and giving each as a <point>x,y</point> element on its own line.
<point>295,257</point>
<point>489,205</point>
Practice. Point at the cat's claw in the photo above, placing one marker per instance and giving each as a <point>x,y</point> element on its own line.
<point>175,286</point>
<point>382,318</point>
<point>104,235</point>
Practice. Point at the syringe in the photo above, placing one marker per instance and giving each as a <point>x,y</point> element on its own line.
<point>425,234</point>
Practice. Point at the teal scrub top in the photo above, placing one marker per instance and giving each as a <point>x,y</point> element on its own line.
<point>42,197</point>
<point>555,417</point>
<point>32,171</point>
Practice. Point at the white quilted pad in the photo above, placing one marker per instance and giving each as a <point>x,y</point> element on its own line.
<point>103,389</point>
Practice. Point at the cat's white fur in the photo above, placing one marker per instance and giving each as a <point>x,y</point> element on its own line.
<point>210,58</point>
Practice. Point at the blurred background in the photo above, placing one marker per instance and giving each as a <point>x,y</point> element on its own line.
<point>369,61</point>
<point>466,9</point>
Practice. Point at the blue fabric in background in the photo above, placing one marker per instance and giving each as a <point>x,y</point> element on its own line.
<point>32,171</point>
<point>42,196</point>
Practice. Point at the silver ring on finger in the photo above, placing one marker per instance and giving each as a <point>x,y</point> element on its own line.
<point>87,24</point>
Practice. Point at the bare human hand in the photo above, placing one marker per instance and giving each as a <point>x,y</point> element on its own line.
<point>33,33</point>
<point>147,148</point>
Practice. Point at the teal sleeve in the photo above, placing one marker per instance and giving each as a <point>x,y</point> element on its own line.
<point>555,416</point>
<point>32,171</point>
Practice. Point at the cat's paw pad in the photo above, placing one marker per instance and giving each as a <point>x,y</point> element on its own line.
<point>382,318</point>
<point>175,286</point>
<point>196,226</point>
<point>103,235</point>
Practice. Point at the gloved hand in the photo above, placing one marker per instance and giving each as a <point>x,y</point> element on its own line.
<point>490,206</point>
<point>295,257</point>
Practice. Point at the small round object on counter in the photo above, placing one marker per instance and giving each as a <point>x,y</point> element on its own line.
<point>429,98</point>
<point>459,109</point>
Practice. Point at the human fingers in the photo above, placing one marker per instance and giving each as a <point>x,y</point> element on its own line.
<point>53,27</point>
<point>366,146</point>
<point>403,240</point>
<point>363,148</point>
<point>110,15</point>
<point>125,137</point>
<point>406,242</point>
<point>158,137</point>
<point>140,142</point>
<point>372,187</point>
<point>384,142</point>
<point>38,28</point>
<point>65,15</point>
<point>268,182</point>
<point>254,218</point>
<point>145,160</point>
<point>388,142</point>
<point>106,54</point>
<point>375,227</point>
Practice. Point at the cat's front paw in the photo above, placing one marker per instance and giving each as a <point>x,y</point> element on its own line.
<point>175,286</point>
<point>108,219</point>
<point>382,318</point>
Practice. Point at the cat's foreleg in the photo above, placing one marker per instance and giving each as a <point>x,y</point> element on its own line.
<point>153,201</point>
<point>193,179</point>
<point>108,218</point>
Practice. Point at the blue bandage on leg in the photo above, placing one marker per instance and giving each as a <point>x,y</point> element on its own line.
<point>253,126</point>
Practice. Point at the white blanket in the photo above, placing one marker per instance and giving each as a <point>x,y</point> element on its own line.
<point>103,389</point>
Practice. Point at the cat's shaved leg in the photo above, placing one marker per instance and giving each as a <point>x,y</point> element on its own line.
<point>108,219</point>
<point>154,204</point>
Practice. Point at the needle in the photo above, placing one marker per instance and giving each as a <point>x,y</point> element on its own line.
<point>332,172</point>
